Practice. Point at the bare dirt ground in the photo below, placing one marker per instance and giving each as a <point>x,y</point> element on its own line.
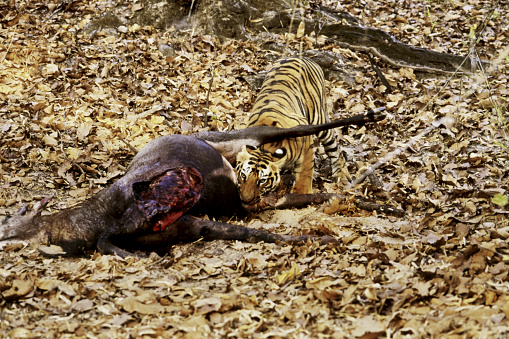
<point>68,101</point>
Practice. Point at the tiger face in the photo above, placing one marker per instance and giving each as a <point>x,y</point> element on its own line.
<point>258,173</point>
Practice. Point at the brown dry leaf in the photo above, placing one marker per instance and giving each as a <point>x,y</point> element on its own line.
<point>321,283</point>
<point>19,333</point>
<point>207,305</point>
<point>50,284</point>
<point>301,30</point>
<point>422,288</point>
<point>368,324</point>
<point>83,130</point>
<point>49,141</point>
<point>83,305</point>
<point>337,206</point>
<point>257,260</point>
<point>19,289</point>
<point>131,304</point>
<point>288,275</point>
<point>50,69</point>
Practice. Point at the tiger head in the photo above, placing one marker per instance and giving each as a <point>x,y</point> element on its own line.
<point>258,173</point>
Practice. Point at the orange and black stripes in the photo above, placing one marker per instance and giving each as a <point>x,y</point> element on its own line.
<point>292,94</point>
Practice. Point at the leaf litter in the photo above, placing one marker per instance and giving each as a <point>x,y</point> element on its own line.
<point>70,102</point>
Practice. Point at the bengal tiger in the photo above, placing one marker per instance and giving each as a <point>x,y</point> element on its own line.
<point>293,93</point>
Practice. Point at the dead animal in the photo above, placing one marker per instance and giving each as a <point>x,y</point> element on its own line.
<point>169,182</point>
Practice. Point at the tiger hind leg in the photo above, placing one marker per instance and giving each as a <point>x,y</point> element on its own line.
<point>336,156</point>
<point>340,168</point>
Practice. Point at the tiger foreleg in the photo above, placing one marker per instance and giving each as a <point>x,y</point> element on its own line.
<point>304,169</point>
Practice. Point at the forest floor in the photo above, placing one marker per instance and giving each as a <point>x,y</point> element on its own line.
<point>68,101</point>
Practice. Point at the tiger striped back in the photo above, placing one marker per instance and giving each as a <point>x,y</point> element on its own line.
<point>292,94</point>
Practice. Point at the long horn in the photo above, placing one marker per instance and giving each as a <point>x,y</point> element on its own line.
<point>230,143</point>
<point>373,115</point>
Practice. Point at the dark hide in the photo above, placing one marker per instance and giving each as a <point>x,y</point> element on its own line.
<point>170,180</point>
